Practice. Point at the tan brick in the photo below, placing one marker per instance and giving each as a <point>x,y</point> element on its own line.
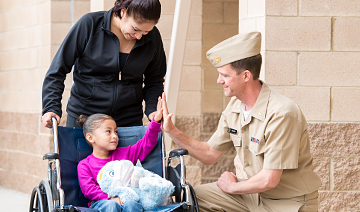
<point>282,7</point>
<point>280,68</point>
<point>108,4</point>
<point>205,137</point>
<point>60,11</point>
<point>196,7</point>
<point>210,79</point>
<point>166,44</point>
<point>190,161</point>
<point>298,33</point>
<point>222,165</point>
<point>7,120</point>
<point>204,61</point>
<point>28,122</point>
<point>321,167</point>
<point>192,55</point>
<point>190,125</point>
<point>4,159</point>
<point>341,139</point>
<point>8,140</point>
<point>213,12</point>
<point>329,8</point>
<point>59,32</point>
<point>45,12</point>
<point>221,0</point>
<point>231,13</point>
<point>226,101</point>
<point>211,101</point>
<point>346,173</point>
<point>193,175</point>
<point>309,98</point>
<point>339,201</point>
<point>83,7</point>
<point>167,7</point>
<point>324,69</point>
<point>215,33</point>
<point>345,104</point>
<point>346,36</point>
<point>190,78</point>
<point>165,26</point>
<point>210,122</point>
<point>189,103</point>
<point>33,36</point>
<point>194,28</point>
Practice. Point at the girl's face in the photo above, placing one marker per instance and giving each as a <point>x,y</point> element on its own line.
<point>133,30</point>
<point>104,138</point>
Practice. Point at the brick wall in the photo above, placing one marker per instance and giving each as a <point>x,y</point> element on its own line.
<point>310,51</point>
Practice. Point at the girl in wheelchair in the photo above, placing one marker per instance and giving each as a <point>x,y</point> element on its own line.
<point>101,133</point>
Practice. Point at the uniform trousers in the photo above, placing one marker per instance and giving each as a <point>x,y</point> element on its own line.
<point>211,198</point>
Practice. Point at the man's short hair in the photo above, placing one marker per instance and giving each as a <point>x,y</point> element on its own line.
<point>252,64</point>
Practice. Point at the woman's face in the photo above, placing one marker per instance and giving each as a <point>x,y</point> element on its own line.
<point>133,30</point>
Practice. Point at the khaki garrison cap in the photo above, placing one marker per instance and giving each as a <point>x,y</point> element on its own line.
<point>235,48</point>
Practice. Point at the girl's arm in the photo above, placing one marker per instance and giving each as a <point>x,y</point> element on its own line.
<point>88,184</point>
<point>143,147</point>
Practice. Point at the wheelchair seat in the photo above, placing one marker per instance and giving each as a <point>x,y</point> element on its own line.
<point>73,147</point>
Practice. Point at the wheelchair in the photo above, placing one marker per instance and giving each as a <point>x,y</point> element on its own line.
<point>61,191</point>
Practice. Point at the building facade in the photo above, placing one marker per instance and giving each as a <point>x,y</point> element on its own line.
<point>310,49</point>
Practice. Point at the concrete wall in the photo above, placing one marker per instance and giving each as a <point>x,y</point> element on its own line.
<point>310,51</point>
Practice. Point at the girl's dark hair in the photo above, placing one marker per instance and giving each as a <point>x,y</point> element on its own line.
<point>91,123</point>
<point>141,10</point>
<point>253,64</point>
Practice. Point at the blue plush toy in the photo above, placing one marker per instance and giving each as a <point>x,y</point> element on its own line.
<point>122,179</point>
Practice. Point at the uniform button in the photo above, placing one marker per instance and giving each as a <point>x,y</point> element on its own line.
<point>246,147</point>
<point>247,164</point>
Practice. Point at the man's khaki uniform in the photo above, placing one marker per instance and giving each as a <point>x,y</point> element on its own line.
<point>274,136</point>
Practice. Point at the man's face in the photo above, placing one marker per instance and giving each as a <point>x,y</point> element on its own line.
<point>230,80</point>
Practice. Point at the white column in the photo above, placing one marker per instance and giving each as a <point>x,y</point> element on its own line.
<point>176,56</point>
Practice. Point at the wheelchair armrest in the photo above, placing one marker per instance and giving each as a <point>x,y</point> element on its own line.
<point>178,152</point>
<point>51,155</point>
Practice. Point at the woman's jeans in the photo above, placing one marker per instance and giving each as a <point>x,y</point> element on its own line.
<point>113,206</point>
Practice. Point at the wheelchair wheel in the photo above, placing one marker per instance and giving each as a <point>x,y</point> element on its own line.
<point>41,198</point>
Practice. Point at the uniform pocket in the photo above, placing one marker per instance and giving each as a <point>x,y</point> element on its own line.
<point>257,148</point>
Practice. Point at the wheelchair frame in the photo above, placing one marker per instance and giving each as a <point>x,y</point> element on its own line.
<point>48,196</point>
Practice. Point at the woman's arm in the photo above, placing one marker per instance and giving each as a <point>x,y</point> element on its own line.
<point>70,49</point>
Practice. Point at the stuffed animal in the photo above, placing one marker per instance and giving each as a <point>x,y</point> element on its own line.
<point>122,179</point>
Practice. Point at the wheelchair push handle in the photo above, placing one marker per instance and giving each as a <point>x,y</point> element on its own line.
<point>55,133</point>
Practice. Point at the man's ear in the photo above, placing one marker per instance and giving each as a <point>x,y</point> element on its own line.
<point>247,75</point>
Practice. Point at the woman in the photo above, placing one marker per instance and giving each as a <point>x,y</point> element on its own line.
<point>114,54</point>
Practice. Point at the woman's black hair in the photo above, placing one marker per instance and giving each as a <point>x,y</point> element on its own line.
<point>141,10</point>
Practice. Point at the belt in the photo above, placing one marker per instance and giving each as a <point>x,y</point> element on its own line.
<point>307,197</point>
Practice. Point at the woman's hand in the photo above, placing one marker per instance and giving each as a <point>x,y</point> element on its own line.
<point>159,113</point>
<point>46,119</point>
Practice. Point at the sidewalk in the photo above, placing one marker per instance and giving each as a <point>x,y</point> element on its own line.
<point>13,201</point>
